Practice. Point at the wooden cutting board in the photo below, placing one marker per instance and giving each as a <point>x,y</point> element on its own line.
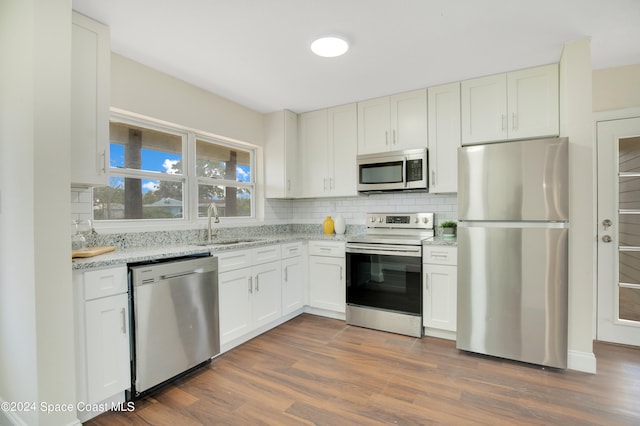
<point>92,251</point>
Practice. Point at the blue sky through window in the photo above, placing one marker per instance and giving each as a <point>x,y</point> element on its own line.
<point>161,161</point>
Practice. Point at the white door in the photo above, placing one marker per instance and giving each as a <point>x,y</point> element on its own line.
<point>619,231</point>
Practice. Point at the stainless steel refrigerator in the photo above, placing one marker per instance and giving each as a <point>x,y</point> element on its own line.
<point>513,210</point>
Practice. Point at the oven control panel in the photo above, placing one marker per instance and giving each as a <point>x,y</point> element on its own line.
<point>400,220</point>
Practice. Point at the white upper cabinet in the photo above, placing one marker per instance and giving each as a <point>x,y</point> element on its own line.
<point>90,69</point>
<point>342,142</point>
<point>393,123</point>
<point>516,105</point>
<point>444,137</point>
<point>533,99</point>
<point>281,155</point>
<point>328,143</point>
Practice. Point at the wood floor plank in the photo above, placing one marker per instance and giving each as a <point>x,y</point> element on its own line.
<point>320,371</point>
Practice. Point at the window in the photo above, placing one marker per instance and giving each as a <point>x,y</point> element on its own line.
<point>224,178</point>
<point>151,177</point>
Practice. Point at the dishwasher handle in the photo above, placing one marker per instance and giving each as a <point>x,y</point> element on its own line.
<point>181,274</point>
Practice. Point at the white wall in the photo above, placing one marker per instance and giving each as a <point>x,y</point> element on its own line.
<point>36,310</point>
<point>616,88</point>
<point>576,123</point>
<point>142,90</point>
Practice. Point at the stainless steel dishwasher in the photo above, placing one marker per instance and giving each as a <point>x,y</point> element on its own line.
<point>175,319</point>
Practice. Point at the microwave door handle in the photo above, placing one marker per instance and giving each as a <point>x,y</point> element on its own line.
<point>404,172</point>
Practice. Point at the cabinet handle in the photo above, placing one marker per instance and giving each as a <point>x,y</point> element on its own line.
<point>514,121</point>
<point>257,283</point>
<point>394,136</point>
<point>386,137</point>
<point>250,285</point>
<point>288,184</point>
<point>503,122</point>
<point>286,274</point>
<point>426,282</point>
<point>124,321</point>
<point>340,272</point>
<point>103,165</point>
<point>433,178</point>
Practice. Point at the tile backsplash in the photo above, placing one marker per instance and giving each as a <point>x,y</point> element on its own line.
<point>353,209</point>
<point>81,202</point>
<point>314,210</point>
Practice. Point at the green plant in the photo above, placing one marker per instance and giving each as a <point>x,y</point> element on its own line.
<point>449,224</point>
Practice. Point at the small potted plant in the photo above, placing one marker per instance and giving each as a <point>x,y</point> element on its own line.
<point>449,228</point>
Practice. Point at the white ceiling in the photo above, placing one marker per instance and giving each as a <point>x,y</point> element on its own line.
<point>256,52</point>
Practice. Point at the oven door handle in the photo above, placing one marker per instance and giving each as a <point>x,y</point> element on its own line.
<point>390,250</point>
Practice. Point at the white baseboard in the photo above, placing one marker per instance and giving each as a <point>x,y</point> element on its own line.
<point>325,313</point>
<point>582,361</point>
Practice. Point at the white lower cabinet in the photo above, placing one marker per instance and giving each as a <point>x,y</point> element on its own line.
<point>250,290</point>
<point>102,338</point>
<point>294,278</point>
<point>327,276</point>
<point>440,281</point>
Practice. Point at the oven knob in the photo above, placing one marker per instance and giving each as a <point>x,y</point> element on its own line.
<point>425,220</point>
<point>380,220</point>
<point>416,220</point>
<point>372,219</point>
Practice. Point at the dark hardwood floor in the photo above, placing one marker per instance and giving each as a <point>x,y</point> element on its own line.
<point>314,370</point>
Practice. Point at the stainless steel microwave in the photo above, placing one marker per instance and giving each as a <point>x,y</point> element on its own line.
<point>393,171</point>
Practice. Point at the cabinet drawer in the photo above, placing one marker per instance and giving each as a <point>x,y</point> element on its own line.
<point>440,255</point>
<point>291,250</point>
<point>266,254</point>
<point>232,260</point>
<point>326,248</point>
<point>105,282</point>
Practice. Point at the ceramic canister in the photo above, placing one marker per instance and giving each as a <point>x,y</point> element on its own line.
<point>339,224</point>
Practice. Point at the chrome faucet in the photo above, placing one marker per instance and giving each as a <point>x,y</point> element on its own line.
<point>212,208</point>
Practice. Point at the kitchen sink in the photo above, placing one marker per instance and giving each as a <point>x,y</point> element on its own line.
<point>227,242</point>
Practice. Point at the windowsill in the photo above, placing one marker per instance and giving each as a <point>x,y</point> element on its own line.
<point>112,227</point>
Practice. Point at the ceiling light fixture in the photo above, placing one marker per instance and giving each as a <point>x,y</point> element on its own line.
<point>329,47</point>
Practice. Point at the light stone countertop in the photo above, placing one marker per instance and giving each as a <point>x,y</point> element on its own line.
<point>141,254</point>
<point>441,241</point>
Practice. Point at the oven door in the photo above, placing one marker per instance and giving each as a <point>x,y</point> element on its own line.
<point>385,277</point>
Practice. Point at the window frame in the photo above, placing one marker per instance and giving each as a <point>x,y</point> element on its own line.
<point>188,178</point>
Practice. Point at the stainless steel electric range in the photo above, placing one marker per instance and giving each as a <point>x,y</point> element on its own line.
<point>384,272</point>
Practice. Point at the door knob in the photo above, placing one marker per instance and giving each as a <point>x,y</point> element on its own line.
<point>606,223</point>
<point>607,238</point>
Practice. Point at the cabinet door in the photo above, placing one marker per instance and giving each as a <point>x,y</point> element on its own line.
<point>107,340</point>
<point>343,143</point>
<point>408,120</point>
<point>327,283</point>
<point>315,157</point>
<point>533,101</point>
<point>484,109</point>
<point>235,289</point>
<point>440,296</point>
<point>90,68</point>
<point>373,126</point>
<point>267,293</point>
<point>444,137</point>
<point>281,155</point>
<point>293,284</point>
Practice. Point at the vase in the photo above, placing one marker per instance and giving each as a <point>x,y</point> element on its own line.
<point>328,225</point>
<point>339,225</point>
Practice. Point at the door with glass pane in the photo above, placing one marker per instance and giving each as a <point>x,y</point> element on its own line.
<point>619,231</point>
